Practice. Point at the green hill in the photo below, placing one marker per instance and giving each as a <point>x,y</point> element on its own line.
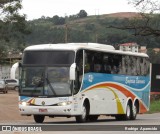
<point>87,29</point>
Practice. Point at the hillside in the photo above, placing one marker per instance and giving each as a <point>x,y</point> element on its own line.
<point>123,15</point>
<point>86,29</point>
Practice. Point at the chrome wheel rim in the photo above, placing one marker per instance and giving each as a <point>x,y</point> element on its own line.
<point>128,111</point>
<point>83,112</point>
<point>134,110</point>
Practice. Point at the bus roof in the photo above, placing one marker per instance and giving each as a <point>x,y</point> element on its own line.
<point>77,46</point>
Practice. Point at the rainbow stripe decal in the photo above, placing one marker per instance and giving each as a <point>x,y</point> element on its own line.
<point>126,85</point>
<point>29,100</point>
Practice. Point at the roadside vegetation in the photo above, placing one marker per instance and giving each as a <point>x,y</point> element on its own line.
<point>154,106</point>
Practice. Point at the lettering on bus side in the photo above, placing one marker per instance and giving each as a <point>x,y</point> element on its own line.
<point>134,81</point>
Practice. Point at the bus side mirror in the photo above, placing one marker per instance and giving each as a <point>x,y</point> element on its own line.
<point>72,74</point>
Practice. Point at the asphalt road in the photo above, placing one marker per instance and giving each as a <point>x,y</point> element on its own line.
<point>9,116</point>
<point>104,123</point>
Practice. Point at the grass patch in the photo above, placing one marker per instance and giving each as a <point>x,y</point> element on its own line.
<point>154,107</point>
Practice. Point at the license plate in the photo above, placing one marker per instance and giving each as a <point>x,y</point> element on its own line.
<point>43,110</point>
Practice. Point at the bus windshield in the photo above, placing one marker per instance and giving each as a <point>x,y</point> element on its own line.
<point>48,58</point>
<point>45,81</point>
<point>46,73</point>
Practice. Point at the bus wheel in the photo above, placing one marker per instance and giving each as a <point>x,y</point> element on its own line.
<point>82,118</point>
<point>134,112</point>
<point>39,118</point>
<point>16,88</point>
<point>126,116</point>
<point>92,117</point>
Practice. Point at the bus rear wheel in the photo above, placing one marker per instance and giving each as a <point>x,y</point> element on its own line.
<point>127,115</point>
<point>39,118</point>
<point>134,112</point>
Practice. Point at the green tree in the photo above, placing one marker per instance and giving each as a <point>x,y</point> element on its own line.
<point>82,14</point>
<point>148,21</point>
<point>12,24</point>
<point>58,20</point>
<point>154,56</point>
<point>10,18</point>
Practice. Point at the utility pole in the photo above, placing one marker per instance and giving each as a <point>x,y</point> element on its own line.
<point>96,38</point>
<point>66,33</point>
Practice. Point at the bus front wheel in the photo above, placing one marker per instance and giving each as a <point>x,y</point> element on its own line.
<point>83,117</point>
<point>39,118</point>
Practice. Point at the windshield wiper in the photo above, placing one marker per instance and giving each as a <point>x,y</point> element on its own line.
<point>52,89</point>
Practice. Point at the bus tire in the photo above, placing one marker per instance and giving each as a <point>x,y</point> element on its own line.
<point>92,118</point>
<point>134,112</point>
<point>16,88</point>
<point>127,115</point>
<point>39,118</point>
<point>82,118</point>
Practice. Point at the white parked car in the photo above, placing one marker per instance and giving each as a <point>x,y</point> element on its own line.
<point>12,84</point>
<point>3,86</point>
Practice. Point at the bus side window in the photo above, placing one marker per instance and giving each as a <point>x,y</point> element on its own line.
<point>133,66</point>
<point>106,66</point>
<point>87,66</point>
<point>122,66</point>
<point>142,66</point>
<point>146,66</point>
<point>98,57</point>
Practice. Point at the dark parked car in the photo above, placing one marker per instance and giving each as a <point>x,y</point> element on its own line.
<point>3,86</point>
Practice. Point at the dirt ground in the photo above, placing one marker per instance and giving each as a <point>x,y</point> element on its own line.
<point>9,111</point>
<point>9,107</point>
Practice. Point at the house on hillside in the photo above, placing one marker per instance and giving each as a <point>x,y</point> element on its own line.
<point>143,49</point>
<point>133,47</point>
<point>156,50</point>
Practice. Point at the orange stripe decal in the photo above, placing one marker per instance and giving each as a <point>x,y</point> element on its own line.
<point>126,92</point>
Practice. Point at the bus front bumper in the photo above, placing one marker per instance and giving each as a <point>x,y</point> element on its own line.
<point>46,110</point>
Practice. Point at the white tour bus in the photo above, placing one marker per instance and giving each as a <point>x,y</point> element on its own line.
<point>83,80</point>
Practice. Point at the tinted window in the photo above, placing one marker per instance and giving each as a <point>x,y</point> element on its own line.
<point>48,57</point>
<point>110,63</point>
<point>11,81</point>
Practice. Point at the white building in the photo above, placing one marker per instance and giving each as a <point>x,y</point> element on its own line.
<point>133,47</point>
<point>4,71</point>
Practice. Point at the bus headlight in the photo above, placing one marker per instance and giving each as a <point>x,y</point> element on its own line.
<point>24,103</point>
<point>64,103</point>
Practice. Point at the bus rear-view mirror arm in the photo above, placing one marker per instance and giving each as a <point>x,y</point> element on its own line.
<point>72,74</point>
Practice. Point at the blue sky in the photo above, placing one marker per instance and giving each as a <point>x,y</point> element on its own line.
<point>36,8</point>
